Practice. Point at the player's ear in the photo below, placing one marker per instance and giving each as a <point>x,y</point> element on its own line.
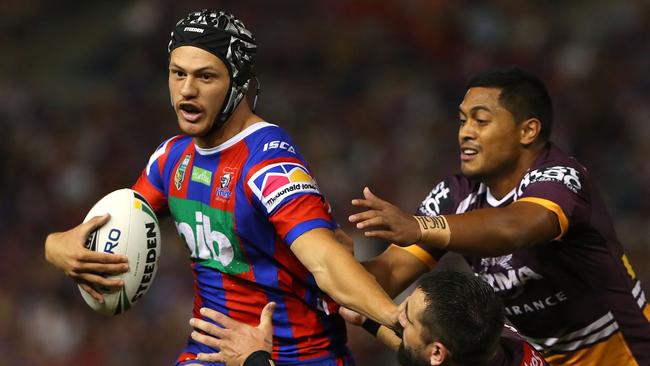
<point>437,353</point>
<point>529,131</point>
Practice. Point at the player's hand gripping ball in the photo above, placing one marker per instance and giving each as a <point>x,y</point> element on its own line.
<point>133,231</point>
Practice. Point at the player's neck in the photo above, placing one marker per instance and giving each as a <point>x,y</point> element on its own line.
<point>241,119</point>
<point>504,183</point>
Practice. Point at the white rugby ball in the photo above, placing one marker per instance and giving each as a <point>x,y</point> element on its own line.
<point>132,230</point>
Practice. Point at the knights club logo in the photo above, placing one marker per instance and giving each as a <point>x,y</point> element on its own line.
<point>223,192</point>
<point>225,180</point>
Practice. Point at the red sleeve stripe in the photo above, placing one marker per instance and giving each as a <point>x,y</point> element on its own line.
<point>155,197</point>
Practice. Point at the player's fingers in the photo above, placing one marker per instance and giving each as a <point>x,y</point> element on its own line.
<point>211,357</point>
<point>351,316</point>
<point>206,339</point>
<point>219,318</point>
<point>372,197</point>
<point>94,223</point>
<point>266,318</point>
<point>95,279</point>
<point>208,327</point>
<point>402,306</point>
<point>361,216</point>
<point>90,256</point>
<point>92,292</point>
<point>111,269</point>
<point>371,204</point>
<point>375,222</point>
<point>382,234</point>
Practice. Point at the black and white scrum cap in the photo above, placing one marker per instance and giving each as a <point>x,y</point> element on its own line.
<point>226,37</point>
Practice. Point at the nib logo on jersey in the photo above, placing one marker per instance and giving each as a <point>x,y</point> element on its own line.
<point>209,234</point>
<point>276,182</point>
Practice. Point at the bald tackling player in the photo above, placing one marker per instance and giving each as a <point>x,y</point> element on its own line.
<point>246,204</point>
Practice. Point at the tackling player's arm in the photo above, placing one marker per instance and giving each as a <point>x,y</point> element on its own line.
<point>397,268</point>
<point>485,232</point>
<point>67,252</point>
<point>339,275</point>
<point>383,334</point>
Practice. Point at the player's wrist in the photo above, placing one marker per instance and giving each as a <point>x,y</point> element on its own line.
<point>434,230</point>
<point>258,358</point>
<point>371,326</point>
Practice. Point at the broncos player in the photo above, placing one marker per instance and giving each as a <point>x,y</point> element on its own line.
<point>530,222</point>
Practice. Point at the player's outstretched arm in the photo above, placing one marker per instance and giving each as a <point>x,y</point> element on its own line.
<point>67,251</point>
<point>384,220</point>
<point>485,232</point>
<point>342,277</point>
<point>396,269</point>
<point>238,343</point>
<point>383,334</point>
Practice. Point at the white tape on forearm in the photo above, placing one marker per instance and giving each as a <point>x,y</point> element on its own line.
<point>434,230</point>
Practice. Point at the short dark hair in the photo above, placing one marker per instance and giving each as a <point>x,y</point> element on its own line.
<point>462,312</point>
<point>522,93</point>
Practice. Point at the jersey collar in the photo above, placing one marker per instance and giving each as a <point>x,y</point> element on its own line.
<point>233,140</point>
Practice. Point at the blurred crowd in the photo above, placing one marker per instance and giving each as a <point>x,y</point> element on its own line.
<point>368,89</point>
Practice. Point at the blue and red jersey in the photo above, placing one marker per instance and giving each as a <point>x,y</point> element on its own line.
<point>238,207</point>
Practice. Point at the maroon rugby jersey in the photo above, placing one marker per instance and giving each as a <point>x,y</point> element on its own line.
<point>576,298</point>
<point>515,351</point>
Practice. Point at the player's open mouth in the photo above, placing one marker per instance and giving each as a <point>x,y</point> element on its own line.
<point>467,153</point>
<point>190,112</point>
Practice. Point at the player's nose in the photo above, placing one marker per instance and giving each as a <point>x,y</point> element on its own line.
<point>466,132</point>
<point>188,88</point>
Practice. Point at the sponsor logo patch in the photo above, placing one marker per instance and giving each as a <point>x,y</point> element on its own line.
<point>279,145</point>
<point>276,182</point>
<point>503,262</point>
<point>193,29</point>
<point>561,174</point>
<point>209,234</point>
<point>431,205</point>
<point>201,175</point>
<point>179,176</point>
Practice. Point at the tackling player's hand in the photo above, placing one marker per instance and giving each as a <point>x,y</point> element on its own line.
<point>67,251</point>
<point>351,316</point>
<point>236,340</point>
<point>384,220</point>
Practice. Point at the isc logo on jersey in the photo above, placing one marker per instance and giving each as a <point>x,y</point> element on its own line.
<point>276,182</point>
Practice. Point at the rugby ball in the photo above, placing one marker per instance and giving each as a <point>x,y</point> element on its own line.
<point>132,230</point>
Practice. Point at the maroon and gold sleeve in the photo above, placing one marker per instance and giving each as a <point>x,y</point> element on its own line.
<point>424,255</point>
<point>560,189</point>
